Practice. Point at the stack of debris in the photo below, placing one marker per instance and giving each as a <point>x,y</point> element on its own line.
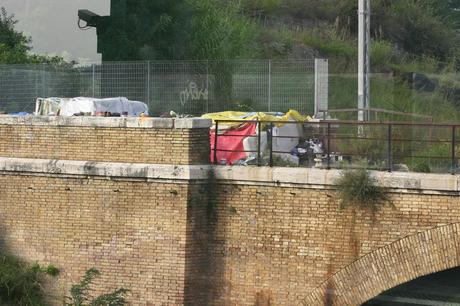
<point>238,137</point>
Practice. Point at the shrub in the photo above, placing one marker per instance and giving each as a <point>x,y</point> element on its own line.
<point>21,283</point>
<point>80,293</point>
<point>437,158</point>
<point>382,53</point>
<point>357,188</point>
<point>331,42</point>
<point>421,166</point>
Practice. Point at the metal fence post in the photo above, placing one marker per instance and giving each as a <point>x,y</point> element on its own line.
<point>321,86</point>
<point>269,85</point>
<point>454,166</point>
<point>44,81</point>
<point>37,83</point>
<point>270,146</point>
<point>148,84</point>
<point>216,134</point>
<point>328,146</point>
<point>259,129</point>
<point>94,80</point>
<point>389,149</point>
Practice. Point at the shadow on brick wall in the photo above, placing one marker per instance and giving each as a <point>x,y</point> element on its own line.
<point>203,268</point>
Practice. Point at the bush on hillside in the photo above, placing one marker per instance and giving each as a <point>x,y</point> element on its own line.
<point>21,283</point>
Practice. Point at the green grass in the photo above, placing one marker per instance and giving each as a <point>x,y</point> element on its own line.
<point>388,92</point>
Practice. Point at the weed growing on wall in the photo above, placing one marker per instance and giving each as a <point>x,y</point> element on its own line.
<point>357,188</point>
<point>80,293</point>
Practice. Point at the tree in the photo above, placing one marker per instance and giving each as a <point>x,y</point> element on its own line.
<point>180,29</point>
<point>448,10</point>
<point>144,29</point>
<point>417,29</point>
<point>219,31</point>
<point>15,46</point>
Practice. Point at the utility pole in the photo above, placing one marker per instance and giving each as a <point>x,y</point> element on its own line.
<point>364,42</point>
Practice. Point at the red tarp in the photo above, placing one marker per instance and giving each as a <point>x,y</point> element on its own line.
<point>232,143</point>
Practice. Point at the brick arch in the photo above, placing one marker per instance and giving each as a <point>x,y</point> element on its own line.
<point>424,253</point>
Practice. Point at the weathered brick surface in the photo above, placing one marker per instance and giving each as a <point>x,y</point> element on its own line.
<point>247,245</point>
<point>136,145</point>
<point>419,254</point>
<point>209,242</point>
<point>134,232</point>
<point>275,245</point>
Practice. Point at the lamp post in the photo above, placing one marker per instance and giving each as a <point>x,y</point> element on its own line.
<point>364,41</point>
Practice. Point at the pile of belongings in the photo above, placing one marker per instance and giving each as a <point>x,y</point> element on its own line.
<point>237,142</point>
<point>82,106</point>
<point>308,152</point>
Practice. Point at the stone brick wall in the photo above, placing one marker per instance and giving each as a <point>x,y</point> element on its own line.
<point>186,233</point>
<point>132,231</point>
<point>274,245</point>
<point>204,242</point>
<point>416,255</point>
<point>103,139</point>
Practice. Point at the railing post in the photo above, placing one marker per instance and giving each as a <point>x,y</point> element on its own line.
<point>328,146</point>
<point>259,129</point>
<point>454,166</point>
<point>270,146</point>
<point>389,149</point>
<point>216,134</point>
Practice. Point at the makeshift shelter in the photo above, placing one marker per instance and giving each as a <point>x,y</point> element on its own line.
<point>89,106</point>
<point>238,141</point>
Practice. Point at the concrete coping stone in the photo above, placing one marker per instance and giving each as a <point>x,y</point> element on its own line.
<point>104,169</point>
<point>108,122</point>
<point>327,178</point>
<point>312,178</point>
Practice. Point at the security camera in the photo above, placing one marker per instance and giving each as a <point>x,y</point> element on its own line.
<point>89,17</point>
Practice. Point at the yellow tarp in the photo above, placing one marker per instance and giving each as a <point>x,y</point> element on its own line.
<point>229,115</point>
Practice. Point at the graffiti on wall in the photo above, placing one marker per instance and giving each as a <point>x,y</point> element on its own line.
<point>193,93</point>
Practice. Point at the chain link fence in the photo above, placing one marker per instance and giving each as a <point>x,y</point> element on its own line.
<point>188,87</point>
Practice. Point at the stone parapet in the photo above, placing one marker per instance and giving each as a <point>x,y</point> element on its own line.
<point>103,139</point>
<point>108,122</point>
<point>137,199</point>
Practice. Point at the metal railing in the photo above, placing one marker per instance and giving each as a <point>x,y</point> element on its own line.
<point>187,87</point>
<point>392,146</point>
<point>376,114</point>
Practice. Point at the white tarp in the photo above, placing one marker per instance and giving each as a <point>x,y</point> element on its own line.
<point>286,137</point>
<point>70,107</point>
<point>120,105</point>
<point>250,144</point>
